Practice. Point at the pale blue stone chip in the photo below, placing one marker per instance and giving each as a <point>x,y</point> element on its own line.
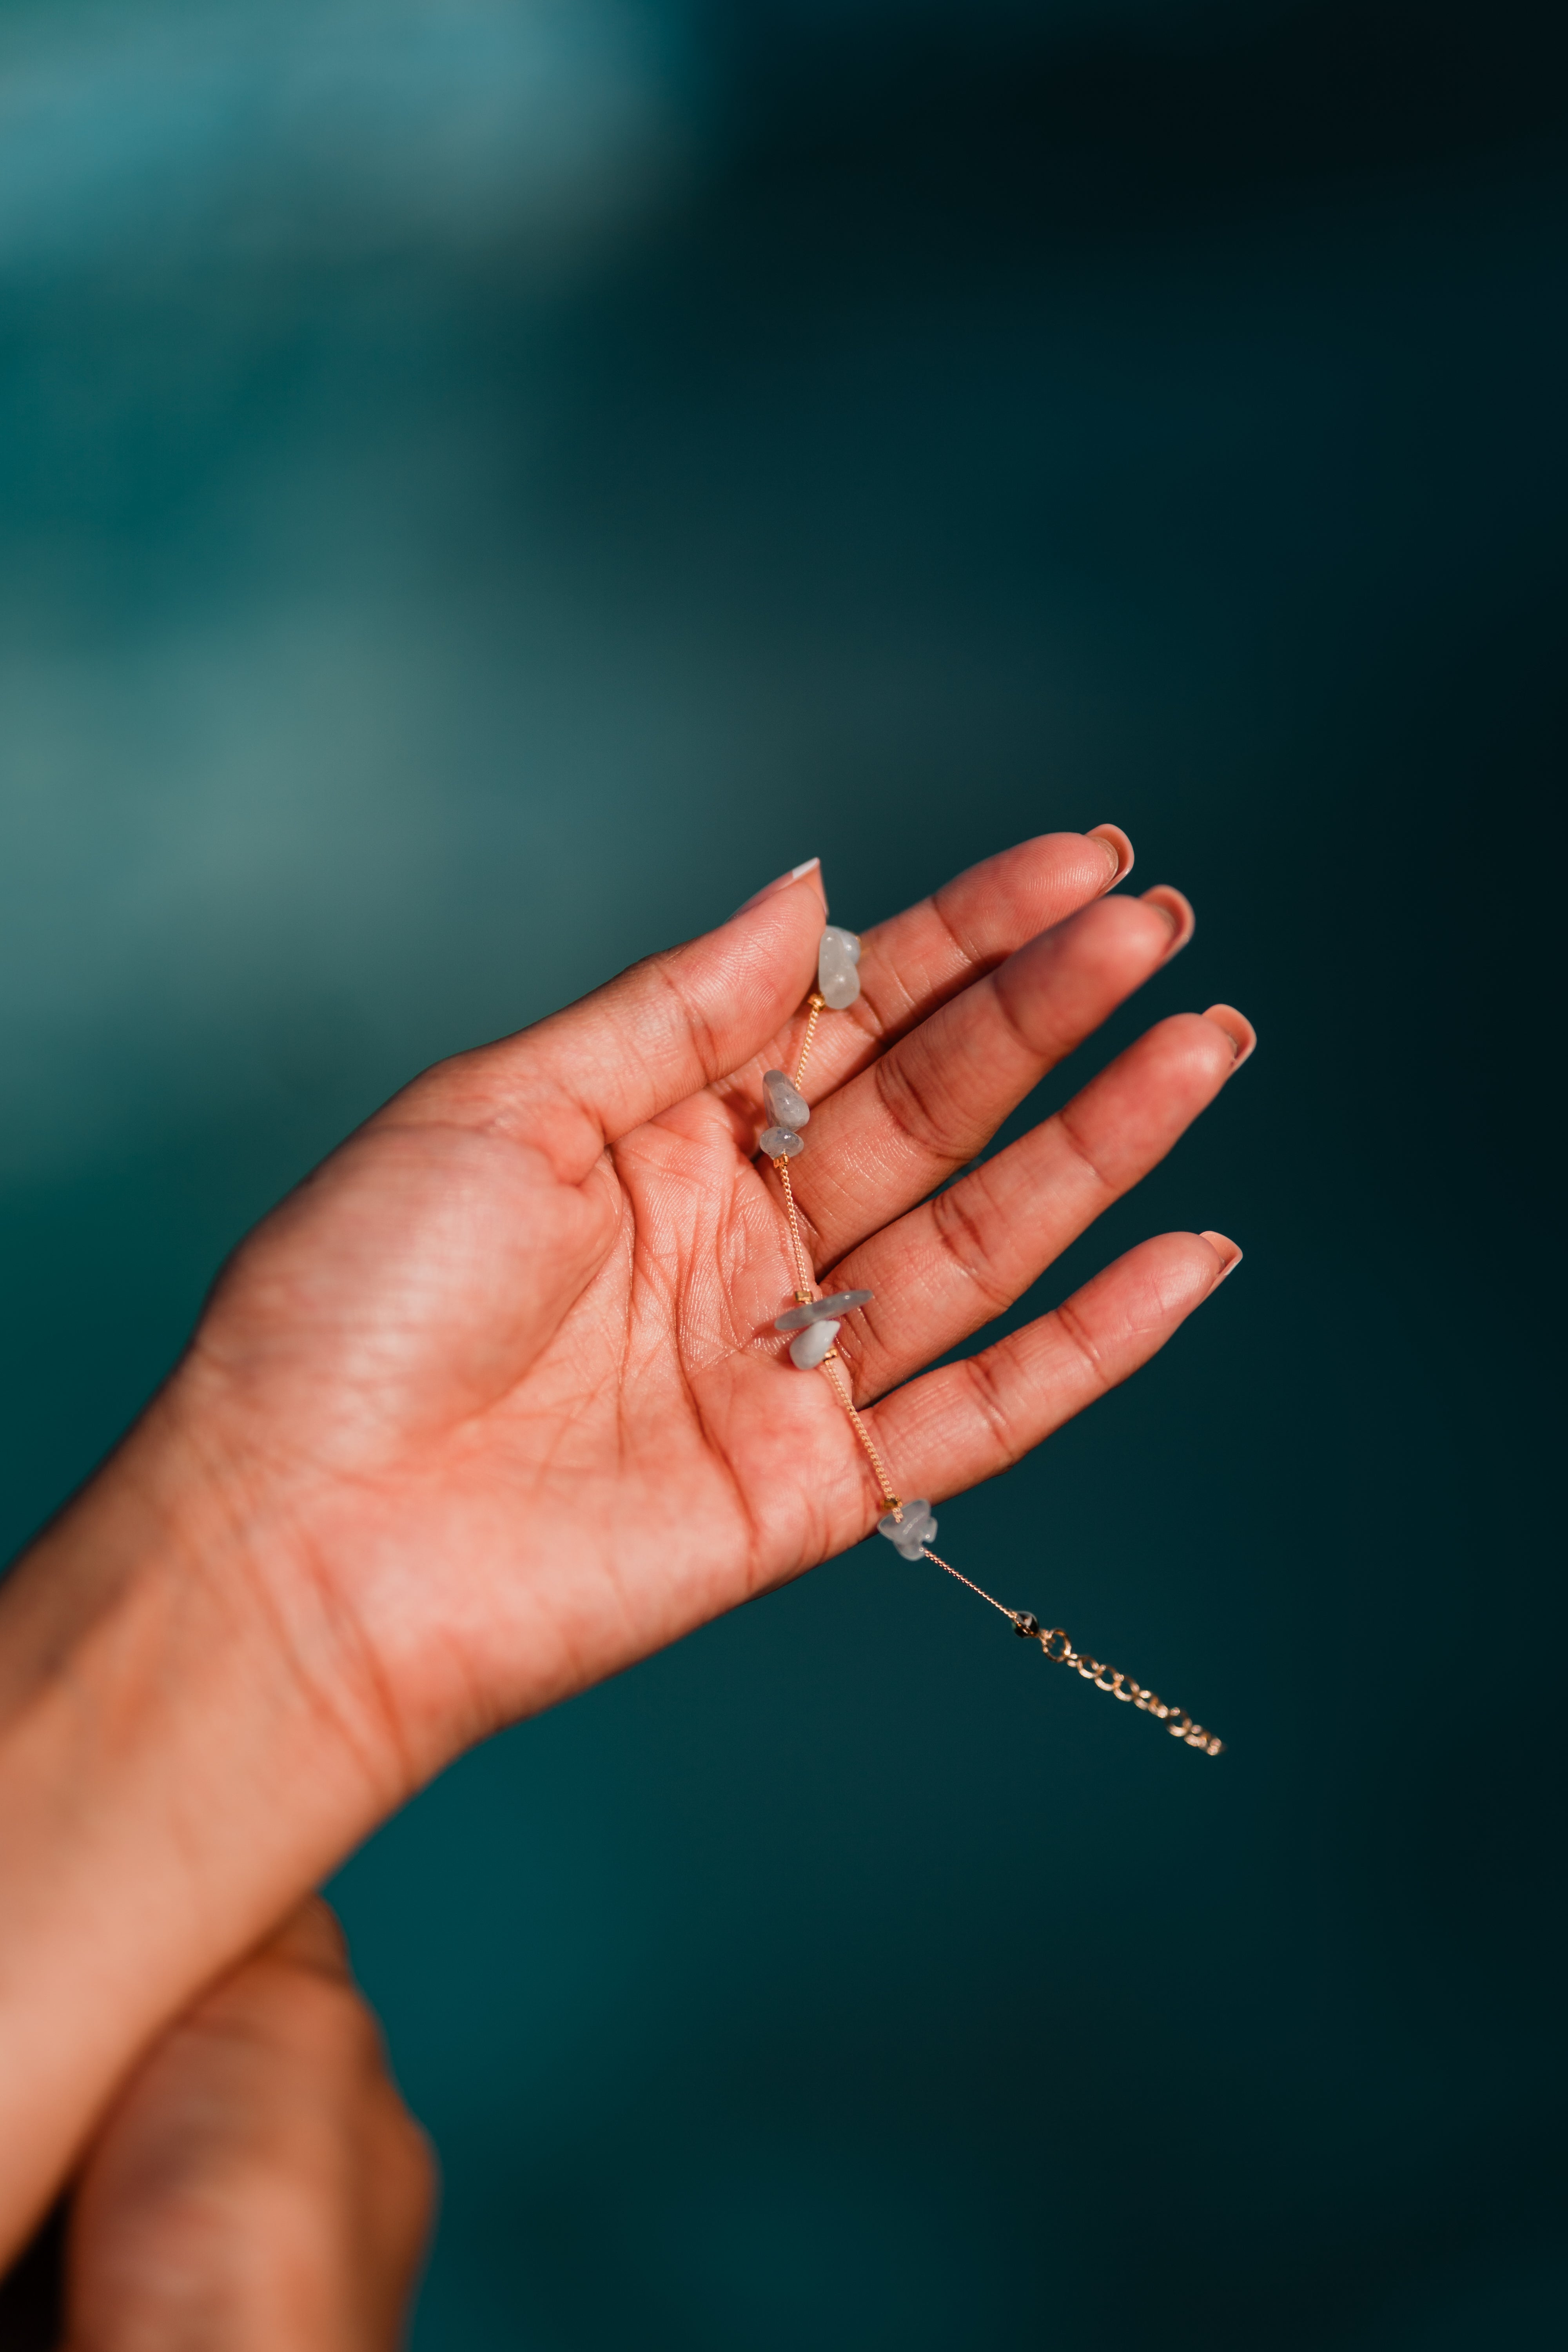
<point>912,1532</point>
<point>820,1310</point>
<point>808,1347</point>
<point>838,980</point>
<point>786,1105</point>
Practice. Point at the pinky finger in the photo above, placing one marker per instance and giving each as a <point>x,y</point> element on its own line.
<point>969,1420</point>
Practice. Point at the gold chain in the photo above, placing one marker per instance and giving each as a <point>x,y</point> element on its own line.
<point>835,1381</point>
<point>1011,1614</point>
<point>814,1005</point>
<point>805,1287</point>
<point>1178,1722</point>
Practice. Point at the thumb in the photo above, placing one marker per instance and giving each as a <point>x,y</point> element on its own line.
<point>668,1027</point>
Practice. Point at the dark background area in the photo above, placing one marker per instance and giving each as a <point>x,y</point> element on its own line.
<point>487,483</point>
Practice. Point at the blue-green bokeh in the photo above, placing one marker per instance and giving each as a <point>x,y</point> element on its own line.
<point>486,484</point>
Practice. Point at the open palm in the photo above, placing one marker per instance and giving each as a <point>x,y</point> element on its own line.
<point>504,1371</point>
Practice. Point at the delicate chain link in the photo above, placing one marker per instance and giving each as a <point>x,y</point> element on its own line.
<point>806,1281</point>
<point>836,1383</point>
<point>1011,1614</point>
<point>814,1013</point>
<point>1178,1722</point>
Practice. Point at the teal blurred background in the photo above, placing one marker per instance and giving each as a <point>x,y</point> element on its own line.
<point>486,483</point>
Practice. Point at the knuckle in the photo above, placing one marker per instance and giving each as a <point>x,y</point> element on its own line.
<point>1067,1128</point>
<point>960,1223</point>
<point>968,961</point>
<point>908,1106</point>
<point>1079,1337</point>
<point>669,968</point>
<point>986,1394</point>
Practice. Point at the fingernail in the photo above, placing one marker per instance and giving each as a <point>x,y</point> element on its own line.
<point>795,873</point>
<point>1117,847</point>
<point>1236,1028</point>
<point>1226,1250</point>
<point>1177,913</point>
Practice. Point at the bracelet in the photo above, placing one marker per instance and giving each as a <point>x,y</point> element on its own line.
<point>814,1323</point>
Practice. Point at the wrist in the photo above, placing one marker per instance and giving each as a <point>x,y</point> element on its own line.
<point>181,1756</point>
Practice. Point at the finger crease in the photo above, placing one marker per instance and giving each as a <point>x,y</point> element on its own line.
<point>1046,1056</point>
<point>1071,1324</point>
<point>987,1394</point>
<point>900,1099</point>
<point>966,955</point>
<point>694,1019</point>
<point>959,1234</point>
<point>1079,1150</point>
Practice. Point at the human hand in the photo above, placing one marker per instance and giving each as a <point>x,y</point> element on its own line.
<point>492,1405</point>
<point>504,1371</point>
<point>258,2182</point>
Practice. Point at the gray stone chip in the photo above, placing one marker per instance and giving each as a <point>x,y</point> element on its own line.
<point>836,978</point>
<point>786,1105</point>
<point>912,1532</point>
<point>821,1310</point>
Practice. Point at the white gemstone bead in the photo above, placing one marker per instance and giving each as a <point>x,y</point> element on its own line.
<point>786,1107</point>
<point>808,1347</point>
<point>781,1142</point>
<point>910,1534</point>
<point>818,1310</point>
<point>837,977</point>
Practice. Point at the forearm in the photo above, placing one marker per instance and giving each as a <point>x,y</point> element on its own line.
<point>175,1769</point>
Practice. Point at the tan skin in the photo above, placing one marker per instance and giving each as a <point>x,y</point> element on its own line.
<point>492,1406</point>
<point>257,2181</point>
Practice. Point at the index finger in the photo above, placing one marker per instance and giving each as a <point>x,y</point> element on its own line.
<point>917,961</point>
